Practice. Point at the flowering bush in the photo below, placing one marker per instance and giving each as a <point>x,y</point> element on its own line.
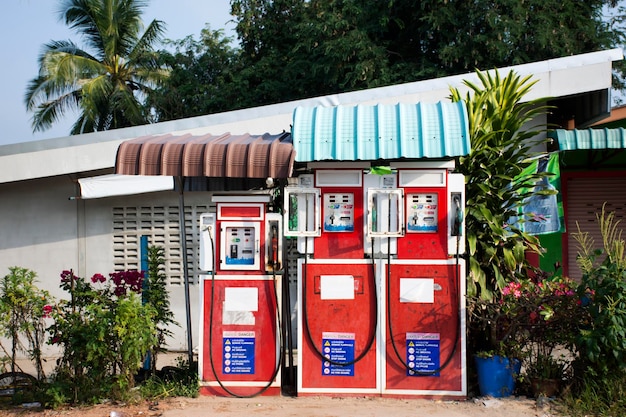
<point>104,332</point>
<point>541,311</point>
<point>545,311</point>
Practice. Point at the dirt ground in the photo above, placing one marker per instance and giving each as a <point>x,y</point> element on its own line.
<point>304,407</point>
<point>285,406</point>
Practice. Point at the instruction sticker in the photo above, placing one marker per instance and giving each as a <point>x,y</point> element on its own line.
<point>422,354</point>
<point>339,348</point>
<point>238,353</point>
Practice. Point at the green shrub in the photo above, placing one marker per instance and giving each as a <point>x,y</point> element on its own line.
<point>600,367</point>
<point>23,308</point>
<point>156,294</point>
<point>104,332</point>
<point>602,339</point>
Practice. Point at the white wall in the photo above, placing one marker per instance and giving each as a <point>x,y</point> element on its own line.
<point>43,230</point>
<point>38,228</point>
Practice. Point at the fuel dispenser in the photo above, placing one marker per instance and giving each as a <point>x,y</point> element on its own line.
<point>241,254</point>
<point>424,330</point>
<point>381,282</point>
<point>337,287</point>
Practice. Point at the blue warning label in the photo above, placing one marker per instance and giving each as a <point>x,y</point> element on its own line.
<point>339,348</point>
<point>422,354</point>
<point>238,353</point>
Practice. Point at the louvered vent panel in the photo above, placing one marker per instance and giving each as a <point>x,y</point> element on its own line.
<point>160,224</point>
<point>585,197</point>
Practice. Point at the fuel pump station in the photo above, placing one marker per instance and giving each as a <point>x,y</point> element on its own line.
<point>380,282</point>
<point>424,289</point>
<point>241,254</point>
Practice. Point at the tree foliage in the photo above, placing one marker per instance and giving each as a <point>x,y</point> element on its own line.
<point>293,49</point>
<point>459,36</point>
<point>200,72</point>
<point>108,79</point>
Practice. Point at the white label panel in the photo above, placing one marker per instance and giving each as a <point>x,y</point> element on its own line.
<point>337,287</point>
<point>417,290</point>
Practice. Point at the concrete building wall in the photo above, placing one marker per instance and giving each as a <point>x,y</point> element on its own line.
<point>38,228</point>
<point>43,230</point>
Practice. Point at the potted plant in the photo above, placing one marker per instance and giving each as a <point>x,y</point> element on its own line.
<point>530,320</point>
<point>499,351</point>
<point>545,374</point>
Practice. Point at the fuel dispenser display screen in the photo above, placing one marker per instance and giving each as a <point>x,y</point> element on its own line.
<point>422,214</point>
<point>240,245</point>
<point>339,212</point>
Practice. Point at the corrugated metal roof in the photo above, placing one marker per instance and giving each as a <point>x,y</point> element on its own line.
<point>570,140</point>
<point>233,156</point>
<point>368,133</point>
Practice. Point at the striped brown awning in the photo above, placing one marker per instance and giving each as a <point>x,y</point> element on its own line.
<point>231,156</point>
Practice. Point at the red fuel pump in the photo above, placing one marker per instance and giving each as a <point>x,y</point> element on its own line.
<point>241,350</point>
<point>424,290</point>
<point>337,286</point>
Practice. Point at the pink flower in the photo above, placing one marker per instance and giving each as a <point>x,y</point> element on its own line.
<point>67,276</point>
<point>98,278</point>
<point>47,311</point>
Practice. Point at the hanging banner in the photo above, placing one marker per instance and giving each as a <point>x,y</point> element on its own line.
<point>542,212</point>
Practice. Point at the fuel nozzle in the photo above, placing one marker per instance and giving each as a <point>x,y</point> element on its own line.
<point>273,262</point>
<point>458,216</point>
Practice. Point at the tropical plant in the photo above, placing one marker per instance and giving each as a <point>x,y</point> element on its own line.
<point>503,130</point>
<point>108,81</point>
<point>23,308</point>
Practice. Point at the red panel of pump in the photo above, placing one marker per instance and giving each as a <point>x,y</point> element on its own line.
<point>426,224</point>
<point>423,334</point>
<point>239,348</point>
<point>341,244</point>
<point>240,211</point>
<point>339,326</point>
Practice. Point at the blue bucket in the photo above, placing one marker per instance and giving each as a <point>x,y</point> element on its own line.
<point>496,375</point>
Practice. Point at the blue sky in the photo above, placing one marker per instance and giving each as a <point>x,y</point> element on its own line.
<point>26,25</point>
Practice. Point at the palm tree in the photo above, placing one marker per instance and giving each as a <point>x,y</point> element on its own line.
<point>108,82</point>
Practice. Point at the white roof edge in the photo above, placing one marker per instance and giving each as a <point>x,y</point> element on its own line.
<point>94,151</point>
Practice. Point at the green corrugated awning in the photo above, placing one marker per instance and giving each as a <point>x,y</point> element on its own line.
<point>374,132</point>
<point>571,140</point>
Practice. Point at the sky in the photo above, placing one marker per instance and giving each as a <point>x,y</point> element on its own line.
<point>26,25</point>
